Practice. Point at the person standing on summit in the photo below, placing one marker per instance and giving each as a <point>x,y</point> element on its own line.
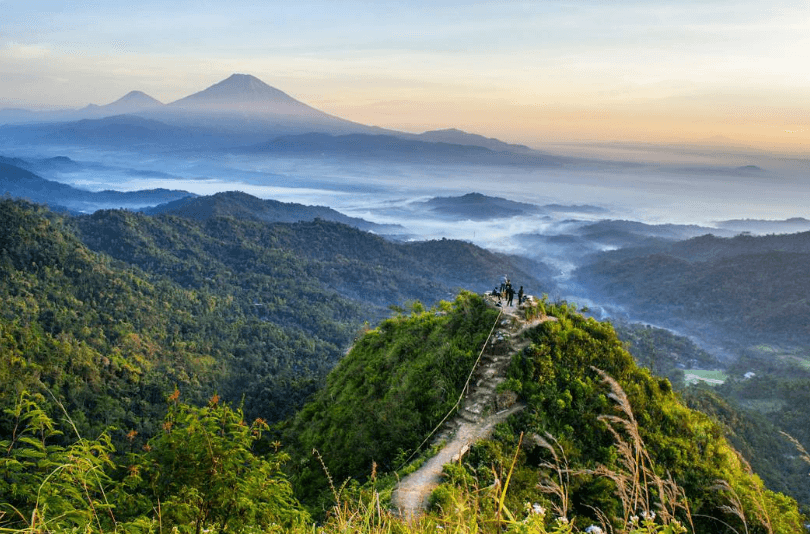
<point>510,294</point>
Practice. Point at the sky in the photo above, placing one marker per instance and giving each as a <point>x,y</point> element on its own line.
<point>539,73</point>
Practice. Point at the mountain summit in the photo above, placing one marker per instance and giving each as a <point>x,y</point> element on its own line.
<point>132,102</point>
<point>243,93</point>
<point>135,99</point>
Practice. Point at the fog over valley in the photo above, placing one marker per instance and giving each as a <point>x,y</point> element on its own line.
<point>277,237</point>
<point>554,213</point>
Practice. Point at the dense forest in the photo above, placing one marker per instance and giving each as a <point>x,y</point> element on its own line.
<point>761,404</point>
<point>747,295</point>
<point>144,359</point>
<point>257,313</point>
<point>751,289</point>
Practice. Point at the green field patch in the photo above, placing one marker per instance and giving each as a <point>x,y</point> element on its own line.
<point>711,377</point>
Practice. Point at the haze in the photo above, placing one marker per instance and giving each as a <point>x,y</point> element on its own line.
<point>539,73</point>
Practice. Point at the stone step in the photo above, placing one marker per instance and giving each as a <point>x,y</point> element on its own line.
<point>467,418</point>
<point>486,389</point>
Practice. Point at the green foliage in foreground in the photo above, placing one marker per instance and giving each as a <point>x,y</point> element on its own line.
<point>591,448</point>
<point>203,473</point>
<point>200,473</point>
<point>390,391</point>
<point>635,427</point>
<point>589,452</point>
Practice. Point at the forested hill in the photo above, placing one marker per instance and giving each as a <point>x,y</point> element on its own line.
<point>243,206</point>
<point>710,285</point>
<point>135,392</point>
<point>125,307</point>
<point>111,341</point>
<point>298,259</point>
<point>599,441</point>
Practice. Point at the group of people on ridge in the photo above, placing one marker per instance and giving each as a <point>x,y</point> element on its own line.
<point>507,292</point>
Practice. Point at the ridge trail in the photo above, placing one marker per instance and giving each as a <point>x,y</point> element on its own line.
<point>482,409</point>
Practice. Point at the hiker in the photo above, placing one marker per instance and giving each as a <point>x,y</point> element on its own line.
<point>520,296</point>
<point>510,293</point>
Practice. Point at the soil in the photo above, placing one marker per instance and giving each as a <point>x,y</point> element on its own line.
<point>482,409</point>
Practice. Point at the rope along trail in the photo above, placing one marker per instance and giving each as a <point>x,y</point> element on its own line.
<point>473,421</point>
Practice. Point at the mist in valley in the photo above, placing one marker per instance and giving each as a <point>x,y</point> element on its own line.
<point>558,214</point>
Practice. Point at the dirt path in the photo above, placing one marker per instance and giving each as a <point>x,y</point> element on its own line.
<point>482,409</point>
<point>411,496</point>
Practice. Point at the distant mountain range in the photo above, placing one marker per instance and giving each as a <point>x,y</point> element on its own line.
<point>478,207</point>
<point>577,242</point>
<point>242,111</point>
<point>132,102</point>
<point>394,147</point>
<point>246,207</point>
<point>18,182</point>
<point>455,136</point>
<point>759,226</point>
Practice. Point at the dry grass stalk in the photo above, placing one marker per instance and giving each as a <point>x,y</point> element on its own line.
<point>735,507</point>
<point>637,483</point>
<point>803,454</point>
<point>604,520</point>
<point>760,511</point>
<point>559,487</point>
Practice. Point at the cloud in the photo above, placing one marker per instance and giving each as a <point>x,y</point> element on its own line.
<point>18,51</point>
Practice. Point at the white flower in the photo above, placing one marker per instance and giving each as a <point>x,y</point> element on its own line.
<point>537,509</point>
<point>633,519</point>
<point>648,515</point>
<point>593,529</point>
<point>563,520</point>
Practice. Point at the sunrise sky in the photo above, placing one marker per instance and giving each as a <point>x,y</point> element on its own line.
<point>533,72</point>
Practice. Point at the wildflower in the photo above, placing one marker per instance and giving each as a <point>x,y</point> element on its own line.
<point>537,509</point>
<point>563,520</point>
<point>633,519</point>
<point>648,515</point>
<point>593,529</point>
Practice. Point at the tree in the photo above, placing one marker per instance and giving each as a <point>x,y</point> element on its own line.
<point>205,472</point>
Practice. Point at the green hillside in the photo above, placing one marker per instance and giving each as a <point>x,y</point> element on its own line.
<point>111,340</point>
<point>388,393</point>
<point>301,265</point>
<point>615,455</point>
<point>138,373</point>
<point>742,289</point>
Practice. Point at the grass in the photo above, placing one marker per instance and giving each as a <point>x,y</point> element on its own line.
<point>651,502</point>
<point>713,378</point>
